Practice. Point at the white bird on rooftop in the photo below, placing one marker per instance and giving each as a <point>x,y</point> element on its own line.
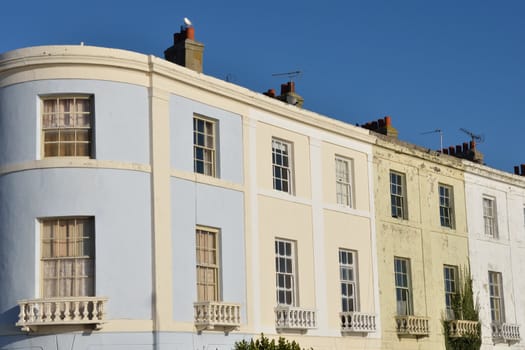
<point>187,21</point>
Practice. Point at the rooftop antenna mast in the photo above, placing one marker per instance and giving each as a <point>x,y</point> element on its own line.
<point>290,75</point>
<point>474,137</point>
<point>440,137</point>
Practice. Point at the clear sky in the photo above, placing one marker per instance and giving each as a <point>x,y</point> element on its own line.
<point>429,64</point>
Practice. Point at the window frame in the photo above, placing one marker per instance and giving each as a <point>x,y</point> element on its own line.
<point>496,302</point>
<point>446,206</point>
<point>398,201</point>
<point>214,266</point>
<point>285,166</point>
<point>209,166</point>
<point>490,219</point>
<point>403,289</point>
<point>72,244</point>
<point>290,262</point>
<point>451,284</point>
<point>344,181</point>
<point>350,279</point>
<point>55,118</point>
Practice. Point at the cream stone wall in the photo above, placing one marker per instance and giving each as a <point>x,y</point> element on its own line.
<point>419,238</point>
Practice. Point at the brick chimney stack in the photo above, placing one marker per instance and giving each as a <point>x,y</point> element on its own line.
<point>287,95</point>
<point>382,126</point>
<point>185,50</point>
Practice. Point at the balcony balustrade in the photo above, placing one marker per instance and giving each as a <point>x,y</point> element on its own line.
<point>412,325</point>
<point>462,328</point>
<point>211,315</point>
<point>505,332</point>
<point>61,311</point>
<point>294,318</point>
<point>357,322</point>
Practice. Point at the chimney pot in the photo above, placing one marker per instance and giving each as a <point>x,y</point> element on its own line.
<point>458,149</point>
<point>472,144</point>
<point>451,150</point>
<point>388,120</point>
<point>465,147</point>
<point>284,89</point>
<point>374,125</point>
<point>445,150</point>
<point>522,166</point>
<point>190,33</point>
<point>516,170</point>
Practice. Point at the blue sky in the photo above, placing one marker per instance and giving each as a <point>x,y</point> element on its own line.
<point>429,64</point>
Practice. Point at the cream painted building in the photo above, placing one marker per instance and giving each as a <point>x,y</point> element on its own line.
<point>145,205</point>
<point>496,220</point>
<point>422,240</point>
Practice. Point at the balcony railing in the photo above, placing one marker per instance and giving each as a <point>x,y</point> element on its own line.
<point>505,332</point>
<point>61,311</point>
<point>357,322</point>
<point>462,328</point>
<point>217,315</point>
<point>412,325</point>
<point>294,318</point>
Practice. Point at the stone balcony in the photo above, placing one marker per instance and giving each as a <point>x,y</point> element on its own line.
<point>505,332</point>
<point>355,321</point>
<point>79,311</point>
<point>462,328</point>
<point>294,318</point>
<point>217,315</point>
<point>412,325</point>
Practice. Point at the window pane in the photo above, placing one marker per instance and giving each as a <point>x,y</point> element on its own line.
<point>285,272</point>
<point>207,264</point>
<point>403,286</point>
<point>281,165</point>
<point>204,146</point>
<point>66,123</point>
<point>68,257</point>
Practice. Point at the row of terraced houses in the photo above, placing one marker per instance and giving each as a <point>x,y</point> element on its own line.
<point>146,205</point>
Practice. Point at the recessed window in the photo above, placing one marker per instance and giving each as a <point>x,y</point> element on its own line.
<point>490,217</point>
<point>204,149</point>
<point>285,272</point>
<point>497,311</point>
<point>67,126</point>
<point>348,278</point>
<point>446,206</point>
<point>68,255</point>
<point>207,246</point>
<point>398,196</point>
<point>450,277</point>
<point>282,165</point>
<point>403,286</point>
<point>343,182</point>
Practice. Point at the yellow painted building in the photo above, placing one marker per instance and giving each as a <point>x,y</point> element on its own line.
<point>422,241</point>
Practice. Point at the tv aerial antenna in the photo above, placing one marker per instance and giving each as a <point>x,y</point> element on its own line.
<point>440,137</point>
<point>475,137</point>
<point>290,75</point>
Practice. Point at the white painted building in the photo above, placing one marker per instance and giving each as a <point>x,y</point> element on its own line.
<point>495,204</point>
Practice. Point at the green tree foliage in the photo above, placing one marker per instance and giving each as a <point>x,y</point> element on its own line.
<point>263,343</point>
<point>464,308</point>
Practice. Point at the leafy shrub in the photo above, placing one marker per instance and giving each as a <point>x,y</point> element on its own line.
<point>263,343</point>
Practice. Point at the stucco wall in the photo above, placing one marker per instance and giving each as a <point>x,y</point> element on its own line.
<point>122,229</point>
<point>121,124</point>
<point>198,204</point>
<point>503,254</point>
